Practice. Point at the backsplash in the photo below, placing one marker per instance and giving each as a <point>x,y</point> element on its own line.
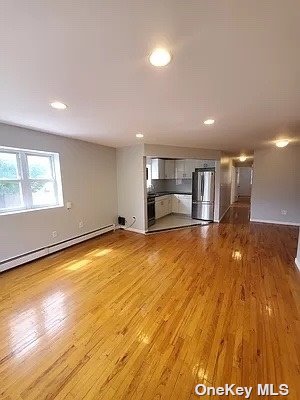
<point>171,185</point>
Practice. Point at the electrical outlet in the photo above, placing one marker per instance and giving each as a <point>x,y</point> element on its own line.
<point>283,212</point>
<point>54,234</point>
<point>80,224</point>
<point>121,220</point>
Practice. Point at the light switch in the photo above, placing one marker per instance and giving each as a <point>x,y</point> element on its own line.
<point>69,205</point>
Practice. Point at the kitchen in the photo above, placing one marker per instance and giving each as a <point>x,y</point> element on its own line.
<point>172,192</point>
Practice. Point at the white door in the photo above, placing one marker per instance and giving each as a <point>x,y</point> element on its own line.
<point>169,169</point>
<point>164,204</point>
<point>158,168</point>
<point>169,204</point>
<point>158,209</point>
<point>179,169</point>
<point>244,181</point>
<point>184,204</point>
<point>190,166</point>
<point>174,204</point>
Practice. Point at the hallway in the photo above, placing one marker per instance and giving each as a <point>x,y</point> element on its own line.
<point>128,316</point>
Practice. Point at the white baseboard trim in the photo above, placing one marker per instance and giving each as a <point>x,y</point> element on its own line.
<point>266,221</point>
<point>134,230</point>
<point>25,258</point>
<point>297,262</point>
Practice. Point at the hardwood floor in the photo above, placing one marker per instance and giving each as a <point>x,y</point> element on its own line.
<point>128,316</point>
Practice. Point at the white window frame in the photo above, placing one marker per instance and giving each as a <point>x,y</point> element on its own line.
<point>24,179</point>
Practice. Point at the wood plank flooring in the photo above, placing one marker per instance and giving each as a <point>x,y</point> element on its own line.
<point>128,316</point>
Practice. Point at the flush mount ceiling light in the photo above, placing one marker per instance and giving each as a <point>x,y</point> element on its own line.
<point>160,57</point>
<point>282,143</point>
<point>58,105</point>
<point>209,122</point>
<point>139,135</point>
<point>243,158</point>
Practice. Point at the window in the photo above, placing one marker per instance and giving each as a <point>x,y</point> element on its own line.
<point>29,180</point>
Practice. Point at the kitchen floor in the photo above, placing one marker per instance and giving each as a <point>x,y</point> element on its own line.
<point>171,221</point>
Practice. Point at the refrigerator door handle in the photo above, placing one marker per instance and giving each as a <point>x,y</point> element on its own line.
<point>202,185</point>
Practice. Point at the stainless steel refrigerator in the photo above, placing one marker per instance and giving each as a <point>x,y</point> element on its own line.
<point>203,194</point>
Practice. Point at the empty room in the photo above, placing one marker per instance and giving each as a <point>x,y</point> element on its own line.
<point>149,199</point>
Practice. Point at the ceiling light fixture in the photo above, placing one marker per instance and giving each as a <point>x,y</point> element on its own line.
<point>282,143</point>
<point>160,57</point>
<point>209,122</point>
<point>58,105</point>
<point>139,135</point>
<point>243,158</point>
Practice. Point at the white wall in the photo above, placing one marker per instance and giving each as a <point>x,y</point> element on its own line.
<point>225,184</point>
<point>276,185</point>
<point>233,184</point>
<point>298,253</point>
<point>89,182</point>
<point>131,185</point>
<point>163,151</point>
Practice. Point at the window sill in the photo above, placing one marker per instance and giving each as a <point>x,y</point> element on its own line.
<point>30,210</point>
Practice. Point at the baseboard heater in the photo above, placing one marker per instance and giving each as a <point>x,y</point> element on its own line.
<point>33,255</point>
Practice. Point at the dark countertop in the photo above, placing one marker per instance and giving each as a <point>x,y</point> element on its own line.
<point>158,194</point>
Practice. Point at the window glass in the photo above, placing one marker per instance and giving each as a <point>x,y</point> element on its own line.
<point>39,167</point>
<point>8,166</point>
<point>42,193</point>
<point>10,195</point>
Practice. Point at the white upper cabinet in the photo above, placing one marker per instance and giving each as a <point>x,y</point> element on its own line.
<point>190,166</point>
<point>169,169</point>
<point>158,168</point>
<point>184,168</point>
<point>179,169</point>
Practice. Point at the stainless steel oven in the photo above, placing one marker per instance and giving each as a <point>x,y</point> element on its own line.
<point>151,210</point>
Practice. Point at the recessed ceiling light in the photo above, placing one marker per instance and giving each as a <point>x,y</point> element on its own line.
<point>209,122</point>
<point>139,135</point>
<point>282,143</point>
<point>243,158</point>
<point>58,105</point>
<point>160,57</point>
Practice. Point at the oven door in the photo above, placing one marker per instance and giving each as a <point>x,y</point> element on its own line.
<point>151,212</point>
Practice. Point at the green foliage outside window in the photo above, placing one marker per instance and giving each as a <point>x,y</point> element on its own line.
<point>8,171</point>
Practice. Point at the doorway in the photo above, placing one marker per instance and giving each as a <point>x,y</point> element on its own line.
<point>244,182</point>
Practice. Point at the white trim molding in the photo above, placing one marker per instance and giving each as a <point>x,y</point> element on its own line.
<point>133,230</point>
<point>297,262</point>
<point>266,221</point>
<point>223,215</point>
<point>25,258</point>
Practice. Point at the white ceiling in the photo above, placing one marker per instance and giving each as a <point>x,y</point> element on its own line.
<point>237,61</point>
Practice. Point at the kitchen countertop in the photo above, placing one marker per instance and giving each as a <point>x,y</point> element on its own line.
<point>166,193</point>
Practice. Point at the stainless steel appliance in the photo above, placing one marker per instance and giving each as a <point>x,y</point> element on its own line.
<point>203,194</point>
<point>151,209</point>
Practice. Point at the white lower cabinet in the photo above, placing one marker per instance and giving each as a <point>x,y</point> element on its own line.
<point>173,203</point>
<point>182,204</point>
<point>163,206</point>
<point>185,205</point>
